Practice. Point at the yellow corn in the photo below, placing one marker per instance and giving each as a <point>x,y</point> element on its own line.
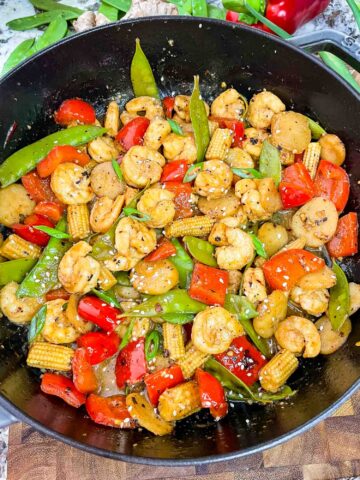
<point>50,356</point>
<point>192,360</point>
<point>173,340</point>
<point>78,221</point>
<point>312,158</point>
<point>195,226</point>
<point>141,327</point>
<point>179,402</point>
<point>141,410</point>
<point>16,247</point>
<point>112,119</point>
<point>212,127</point>
<point>106,278</point>
<point>275,373</point>
<point>220,144</point>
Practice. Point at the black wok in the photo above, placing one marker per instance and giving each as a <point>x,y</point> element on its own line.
<point>95,67</point>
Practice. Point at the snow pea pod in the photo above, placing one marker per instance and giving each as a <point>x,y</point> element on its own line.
<point>199,8</point>
<point>317,130</point>
<point>199,121</point>
<point>110,12</point>
<point>339,303</point>
<point>44,275</point>
<point>216,12</point>
<point>20,53</point>
<point>49,5</point>
<point>142,77</point>
<point>183,263</point>
<point>15,270</point>
<point>33,21</point>
<point>25,159</point>
<point>37,324</point>
<point>201,250</point>
<point>122,5</point>
<point>269,162</point>
<point>108,297</point>
<point>178,318</point>
<point>55,31</point>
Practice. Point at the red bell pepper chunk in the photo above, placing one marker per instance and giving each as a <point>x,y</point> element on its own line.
<point>63,387</point>
<point>208,284</point>
<point>212,394</point>
<point>243,360</point>
<point>130,363</point>
<point>75,110</point>
<point>235,125</point>
<point>52,210</point>
<point>345,241</point>
<point>164,250</point>
<point>332,182</point>
<point>27,232</point>
<point>296,187</point>
<point>61,154</point>
<point>93,309</point>
<point>182,198</point>
<point>133,132</point>
<point>84,377</point>
<point>232,16</point>
<point>110,411</point>
<point>168,106</point>
<point>174,171</point>
<point>37,219</point>
<point>283,270</point>
<point>38,188</point>
<point>100,345</point>
<point>56,294</point>
<point>156,383</point>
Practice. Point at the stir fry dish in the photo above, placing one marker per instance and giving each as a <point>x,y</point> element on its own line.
<point>177,255</point>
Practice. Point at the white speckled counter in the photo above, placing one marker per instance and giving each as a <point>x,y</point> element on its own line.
<point>337,16</point>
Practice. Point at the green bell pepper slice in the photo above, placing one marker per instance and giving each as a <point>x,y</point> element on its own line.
<point>201,250</point>
<point>339,303</point>
<point>15,270</point>
<point>183,263</point>
<point>269,162</point>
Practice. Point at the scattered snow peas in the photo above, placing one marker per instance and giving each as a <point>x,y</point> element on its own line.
<point>15,270</point>
<point>183,263</point>
<point>55,31</point>
<point>33,21</point>
<point>339,303</point>
<point>142,77</point>
<point>20,53</point>
<point>199,121</point>
<point>49,5</point>
<point>269,162</point>
<point>201,250</point>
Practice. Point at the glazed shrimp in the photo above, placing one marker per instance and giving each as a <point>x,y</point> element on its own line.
<point>237,249</point>
<point>159,204</point>
<point>299,335</point>
<point>262,107</point>
<point>154,278</point>
<point>314,302</point>
<point>57,328</point>
<point>260,199</point>
<point>142,165</point>
<point>254,139</point>
<point>18,310</point>
<point>254,285</point>
<point>156,133</point>
<point>214,329</point>
<point>177,147</point>
<point>182,107</point>
<point>102,149</point>
<point>148,105</point>
<point>71,184</point>
<point>214,180</point>
<point>105,212</point>
<point>228,104</point>
<point>78,273</point>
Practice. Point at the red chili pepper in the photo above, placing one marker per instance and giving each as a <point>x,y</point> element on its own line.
<point>164,250</point>
<point>174,171</point>
<point>75,110</point>
<point>110,411</point>
<point>56,294</point>
<point>27,232</point>
<point>208,284</point>
<point>61,154</point>
<point>156,383</point>
<point>235,125</point>
<point>63,387</point>
<point>332,182</point>
<point>345,241</point>
<point>133,132</point>
<point>243,360</point>
<point>84,377</point>
<point>168,106</point>
<point>182,198</point>
<point>212,394</point>
<point>51,210</point>
<point>131,364</point>
<point>38,188</point>
<point>93,309</point>
<point>99,345</point>
<point>296,187</point>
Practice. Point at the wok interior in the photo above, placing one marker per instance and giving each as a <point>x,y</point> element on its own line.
<point>95,67</point>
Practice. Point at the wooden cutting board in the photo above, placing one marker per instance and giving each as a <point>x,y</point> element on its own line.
<point>329,451</point>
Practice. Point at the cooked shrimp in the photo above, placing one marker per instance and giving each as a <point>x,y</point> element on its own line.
<point>214,329</point>
<point>71,184</point>
<point>253,142</point>
<point>254,285</point>
<point>238,251</point>
<point>126,117</point>
<point>21,204</point>
<point>332,340</point>
<point>225,206</point>
<point>57,328</point>
<point>271,310</point>
<point>178,147</point>
<point>156,133</point>
<point>102,149</point>
<point>112,120</point>
<point>332,149</point>
<point>148,105</point>
<point>262,107</point>
<point>18,310</point>
<point>78,273</point>
<point>354,297</point>
<point>105,212</point>
<point>214,180</point>
<point>324,278</point>
<point>299,335</point>
<point>314,302</point>
<point>133,240</point>
<point>159,204</point>
<point>182,107</point>
<point>142,165</point>
<point>154,278</point>
<point>228,104</point>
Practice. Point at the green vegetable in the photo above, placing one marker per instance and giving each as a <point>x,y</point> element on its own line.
<point>126,338</point>
<point>258,245</point>
<point>117,169</point>
<point>179,318</point>
<point>201,250</point>
<point>110,12</point>
<point>37,324</point>
<point>199,121</point>
<point>142,77</point>
<point>52,232</point>
<point>44,276</point>
<point>216,12</point>
<point>355,10</point>
<point>317,130</point>
<point>49,5</point>
<point>25,159</point>
<point>339,303</point>
<point>103,248</point>
<point>122,279</point>
<point>55,31</point>
<point>108,297</point>
<point>15,270</point>
<point>136,214</point>
<point>175,127</point>
<point>269,162</point>
<point>137,197</point>
<point>239,5</point>
<point>247,173</point>
<point>192,172</point>
<point>199,8</point>
<point>152,344</point>
<point>183,263</point>
<point>20,53</point>
<point>336,64</point>
<point>27,23</point>
<point>244,311</point>
<point>122,5</point>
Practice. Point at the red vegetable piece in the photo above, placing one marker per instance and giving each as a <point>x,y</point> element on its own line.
<point>52,210</point>
<point>27,232</point>
<point>168,106</point>
<point>296,187</point>
<point>84,377</point>
<point>174,171</point>
<point>109,411</point>
<point>165,249</point>
<point>345,241</point>
<point>93,309</point>
<point>38,188</point>
<point>182,198</point>
<point>63,387</point>
<point>133,132</point>
<point>75,110</point>
<point>131,364</point>
<point>156,383</point>
<point>100,345</point>
<point>332,182</point>
<point>235,125</point>
<point>232,16</point>
<point>208,284</point>
<point>212,394</point>
<point>61,154</point>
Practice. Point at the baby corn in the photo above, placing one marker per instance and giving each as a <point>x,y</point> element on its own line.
<point>312,158</point>
<point>173,340</point>
<point>15,247</point>
<point>179,402</point>
<point>195,226</point>
<point>50,356</point>
<point>78,221</point>
<point>275,373</point>
<point>106,278</point>
<point>192,360</point>
<point>141,410</point>
<point>219,144</point>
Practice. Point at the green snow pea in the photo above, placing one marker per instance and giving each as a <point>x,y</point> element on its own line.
<point>183,263</point>
<point>15,270</point>
<point>49,5</point>
<point>317,130</point>
<point>142,77</point>
<point>37,324</point>
<point>55,31</point>
<point>20,53</point>
<point>108,297</point>
<point>25,159</point>
<point>199,8</point>
<point>339,303</point>
<point>201,250</point>
<point>27,23</point>
<point>103,248</point>
<point>110,12</point>
<point>216,12</point>
<point>199,121</point>
<point>178,318</point>
<point>122,5</point>
<point>122,279</point>
<point>247,172</point>
<point>269,162</point>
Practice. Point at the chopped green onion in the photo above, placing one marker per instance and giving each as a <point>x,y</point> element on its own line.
<point>259,246</point>
<point>175,127</point>
<point>136,214</point>
<point>152,344</point>
<point>247,173</point>
<point>37,324</point>
<point>108,297</point>
<point>126,338</point>
<point>192,172</point>
<point>117,169</point>
<point>52,232</point>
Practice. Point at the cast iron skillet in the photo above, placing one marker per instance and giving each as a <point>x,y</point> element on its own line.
<point>95,67</point>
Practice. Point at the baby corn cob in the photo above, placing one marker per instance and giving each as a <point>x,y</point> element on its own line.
<point>192,360</point>
<point>16,247</point>
<point>141,410</point>
<point>195,226</point>
<point>219,144</point>
<point>312,158</point>
<point>78,221</point>
<point>106,278</point>
<point>275,373</point>
<point>179,402</point>
<point>213,126</point>
<point>112,119</point>
<point>50,356</point>
<point>141,327</point>
<point>174,340</point>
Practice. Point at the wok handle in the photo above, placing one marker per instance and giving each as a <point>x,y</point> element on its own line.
<point>344,46</point>
<point>6,418</point>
